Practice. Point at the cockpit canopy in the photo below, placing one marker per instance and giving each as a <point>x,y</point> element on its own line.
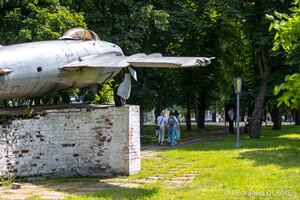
<point>79,34</point>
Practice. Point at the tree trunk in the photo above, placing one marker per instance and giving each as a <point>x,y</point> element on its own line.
<point>201,105</point>
<point>214,114</point>
<point>276,118</point>
<point>297,118</point>
<point>188,123</point>
<point>258,112</point>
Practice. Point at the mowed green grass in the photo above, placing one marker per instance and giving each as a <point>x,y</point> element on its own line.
<point>268,168</point>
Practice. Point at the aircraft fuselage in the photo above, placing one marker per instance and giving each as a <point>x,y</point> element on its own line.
<point>35,67</point>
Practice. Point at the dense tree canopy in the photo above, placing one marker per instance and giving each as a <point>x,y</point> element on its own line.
<point>34,20</point>
<point>287,38</point>
<point>235,32</point>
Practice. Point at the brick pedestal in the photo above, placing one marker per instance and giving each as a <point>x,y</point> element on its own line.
<point>101,141</point>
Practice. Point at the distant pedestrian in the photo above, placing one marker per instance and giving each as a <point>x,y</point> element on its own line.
<point>172,124</point>
<point>176,114</point>
<point>247,123</point>
<point>231,117</point>
<point>160,128</point>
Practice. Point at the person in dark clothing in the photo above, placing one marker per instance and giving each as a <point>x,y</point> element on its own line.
<point>231,117</point>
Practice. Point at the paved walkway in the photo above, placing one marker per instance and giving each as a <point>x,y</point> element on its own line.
<point>58,191</point>
<point>151,150</point>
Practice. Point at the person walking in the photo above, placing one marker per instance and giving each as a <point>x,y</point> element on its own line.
<point>231,117</point>
<point>172,124</point>
<point>176,114</point>
<point>161,121</point>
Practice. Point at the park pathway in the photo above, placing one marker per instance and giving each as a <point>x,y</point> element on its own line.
<point>151,150</point>
<point>54,190</point>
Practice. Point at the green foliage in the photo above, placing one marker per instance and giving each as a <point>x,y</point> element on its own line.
<point>287,29</point>
<point>105,94</point>
<point>206,28</point>
<point>34,20</point>
<point>289,91</point>
<point>127,23</point>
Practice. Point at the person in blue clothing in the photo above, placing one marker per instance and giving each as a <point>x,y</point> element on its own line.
<point>176,114</point>
<point>172,126</point>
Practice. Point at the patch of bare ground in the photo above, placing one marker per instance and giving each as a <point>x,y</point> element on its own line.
<point>180,180</point>
<point>29,190</point>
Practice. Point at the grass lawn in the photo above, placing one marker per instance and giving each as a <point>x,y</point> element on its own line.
<point>268,168</point>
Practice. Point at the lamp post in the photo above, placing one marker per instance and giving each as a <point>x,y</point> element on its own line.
<point>237,83</point>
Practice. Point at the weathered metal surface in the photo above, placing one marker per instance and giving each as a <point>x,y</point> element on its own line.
<point>25,59</point>
<point>33,69</point>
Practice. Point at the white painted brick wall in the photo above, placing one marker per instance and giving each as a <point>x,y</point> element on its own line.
<point>71,142</point>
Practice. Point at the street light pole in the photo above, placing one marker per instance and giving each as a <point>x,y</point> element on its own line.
<point>237,82</point>
<point>238,120</point>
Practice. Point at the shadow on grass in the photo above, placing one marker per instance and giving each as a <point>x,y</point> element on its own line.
<point>285,158</point>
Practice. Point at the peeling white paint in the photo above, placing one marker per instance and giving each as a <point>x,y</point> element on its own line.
<point>71,142</point>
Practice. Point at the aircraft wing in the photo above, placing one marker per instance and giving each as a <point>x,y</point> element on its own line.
<point>97,61</point>
<point>157,60</point>
<point>136,60</point>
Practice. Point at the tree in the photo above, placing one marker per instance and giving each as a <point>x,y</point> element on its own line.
<point>262,61</point>
<point>287,38</point>
<point>203,30</point>
<point>33,20</point>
